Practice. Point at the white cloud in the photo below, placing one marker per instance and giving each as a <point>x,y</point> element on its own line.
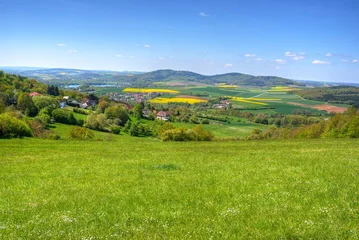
<point>228,65</point>
<point>119,55</point>
<point>289,54</point>
<point>317,62</point>
<point>277,67</point>
<point>249,55</point>
<point>147,46</point>
<point>202,14</point>
<point>161,58</point>
<point>302,53</point>
<point>132,57</point>
<point>298,58</point>
<point>60,45</point>
<point>259,59</point>
<point>72,51</point>
<point>345,61</point>
<point>280,61</point>
<point>355,60</point>
<point>328,55</point>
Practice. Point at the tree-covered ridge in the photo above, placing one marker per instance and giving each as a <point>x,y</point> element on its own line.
<point>229,78</point>
<point>63,77</point>
<point>340,94</point>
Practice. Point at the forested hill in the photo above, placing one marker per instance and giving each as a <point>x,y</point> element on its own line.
<point>340,94</point>
<point>62,77</point>
<point>230,78</point>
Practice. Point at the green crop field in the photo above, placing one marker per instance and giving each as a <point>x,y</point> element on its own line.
<point>137,188</point>
<point>213,91</point>
<point>234,129</point>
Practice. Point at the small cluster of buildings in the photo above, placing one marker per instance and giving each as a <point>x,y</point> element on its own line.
<point>225,104</point>
<point>84,103</point>
<point>133,97</point>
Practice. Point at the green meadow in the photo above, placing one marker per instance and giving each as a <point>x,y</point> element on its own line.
<point>141,188</point>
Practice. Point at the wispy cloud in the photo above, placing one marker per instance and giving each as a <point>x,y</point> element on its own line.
<point>118,55</point>
<point>147,46</point>
<point>277,67</point>
<point>202,14</point>
<point>259,59</point>
<point>249,55</point>
<point>345,61</point>
<point>161,58</point>
<point>328,55</point>
<point>228,65</point>
<point>72,51</point>
<point>355,61</point>
<point>60,45</point>
<point>318,62</point>
<point>280,61</point>
<point>290,54</point>
<point>295,56</point>
<point>132,57</point>
<point>298,58</point>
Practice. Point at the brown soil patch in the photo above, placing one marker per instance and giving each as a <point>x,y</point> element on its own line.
<point>330,108</point>
<point>322,107</point>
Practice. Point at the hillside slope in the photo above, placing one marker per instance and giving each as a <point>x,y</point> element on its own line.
<point>137,188</point>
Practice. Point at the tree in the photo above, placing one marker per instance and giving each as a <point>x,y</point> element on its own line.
<point>102,106</point>
<point>96,122</point>
<point>117,114</point>
<point>137,111</point>
<point>53,90</point>
<point>26,105</point>
<point>42,102</point>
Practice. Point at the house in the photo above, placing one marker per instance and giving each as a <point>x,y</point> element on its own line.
<point>220,106</point>
<point>34,94</point>
<point>84,105</point>
<point>225,102</point>
<point>162,115</point>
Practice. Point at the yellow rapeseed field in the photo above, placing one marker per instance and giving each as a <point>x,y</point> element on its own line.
<point>177,100</point>
<point>227,86</point>
<point>281,89</point>
<point>150,90</point>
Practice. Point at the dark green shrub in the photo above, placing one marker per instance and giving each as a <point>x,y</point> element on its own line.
<point>115,129</point>
<point>63,116</point>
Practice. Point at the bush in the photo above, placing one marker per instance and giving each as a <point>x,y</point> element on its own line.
<point>80,133</point>
<point>63,116</point>
<point>13,127</point>
<point>96,122</point>
<point>115,129</point>
<point>80,110</point>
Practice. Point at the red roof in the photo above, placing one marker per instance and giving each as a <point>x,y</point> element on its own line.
<point>161,114</point>
<point>34,94</point>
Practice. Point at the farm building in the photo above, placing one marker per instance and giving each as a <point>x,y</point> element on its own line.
<point>162,115</point>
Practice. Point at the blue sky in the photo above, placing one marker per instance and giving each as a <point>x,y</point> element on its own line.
<point>302,39</point>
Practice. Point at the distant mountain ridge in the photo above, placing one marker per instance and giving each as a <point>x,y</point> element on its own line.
<point>229,78</point>
<point>61,76</point>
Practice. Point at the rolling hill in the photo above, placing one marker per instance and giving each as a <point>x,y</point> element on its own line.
<point>61,76</point>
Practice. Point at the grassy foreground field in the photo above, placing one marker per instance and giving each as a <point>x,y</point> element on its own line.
<point>139,188</point>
